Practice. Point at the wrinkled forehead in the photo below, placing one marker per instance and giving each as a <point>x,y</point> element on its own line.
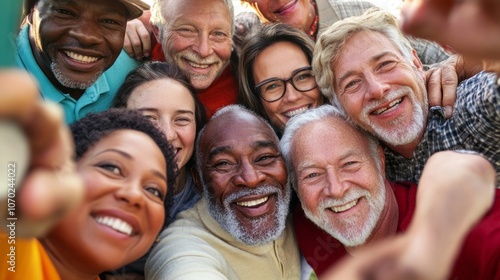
<point>236,128</point>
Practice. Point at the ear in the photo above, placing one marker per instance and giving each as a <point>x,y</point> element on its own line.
<point>29,16</point>
<point>156,32</point>
<point>417,63</point>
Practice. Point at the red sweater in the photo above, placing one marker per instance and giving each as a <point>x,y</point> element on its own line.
<point>478,259</point>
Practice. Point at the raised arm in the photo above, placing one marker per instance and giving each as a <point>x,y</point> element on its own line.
<point>454,192</point>
<point>50,187</point>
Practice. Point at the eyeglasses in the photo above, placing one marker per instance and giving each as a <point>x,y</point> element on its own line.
<point>273,89</point>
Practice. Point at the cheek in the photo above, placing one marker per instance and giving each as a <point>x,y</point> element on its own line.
<point>176,44</point>
<point>115,43</point>
<point>218,185</point>
<point>223,50</point>
<point>309,198</point>
<point>188,137</point>
<point>157,216</point>
<point>352,105</point>
<point>315,96</point>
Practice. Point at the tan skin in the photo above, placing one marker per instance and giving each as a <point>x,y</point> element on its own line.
<point>82,38</point>
<point>51,187</point>
<point>324,171</point>
<point>245,156</point>
<point>125,182</point>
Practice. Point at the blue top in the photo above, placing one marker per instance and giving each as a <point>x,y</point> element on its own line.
<point>185,199</point>
<point>96,98</point>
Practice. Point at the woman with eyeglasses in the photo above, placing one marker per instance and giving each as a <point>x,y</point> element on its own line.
<point>275,76</point>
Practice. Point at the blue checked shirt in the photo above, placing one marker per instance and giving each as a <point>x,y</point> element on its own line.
<point>475,126</point>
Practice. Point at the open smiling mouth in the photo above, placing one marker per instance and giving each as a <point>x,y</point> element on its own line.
<point>253,203</point>
<point>80,58</point>
<point>393,104</point>
<point>345,207</point>
<point>116,224</point>
<point>285,7</point>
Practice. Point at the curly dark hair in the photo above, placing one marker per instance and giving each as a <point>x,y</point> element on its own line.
<point>89,130</point>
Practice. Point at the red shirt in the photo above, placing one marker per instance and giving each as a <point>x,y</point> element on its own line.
<point>478,259</point>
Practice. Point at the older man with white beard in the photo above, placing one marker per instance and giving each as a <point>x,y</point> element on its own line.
<point>366,66</point>
<point>196,35</point>
<point>239,229</point>
<point>337,171</point>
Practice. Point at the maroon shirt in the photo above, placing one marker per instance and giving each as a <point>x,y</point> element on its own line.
<point>478,259</point>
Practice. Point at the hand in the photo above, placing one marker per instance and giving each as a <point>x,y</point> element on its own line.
<point>400,257</point>
<point>443,78</point>
<point>137,41</point>
<point>470,27</point>
<point>51,186</point>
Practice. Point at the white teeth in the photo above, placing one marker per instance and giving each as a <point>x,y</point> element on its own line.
<point>251,203</point>
<point>115,223</point>
<point>196,65</point>
<point>392,104</point>
<point>296,112</point>
<point>81,58</point>
<point>345,207</point>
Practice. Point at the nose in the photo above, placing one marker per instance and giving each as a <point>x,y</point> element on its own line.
<point>132,193</point>
<point>86,32</point>
<point>291,94</point>
<point>377,87</point>
<point>334,186</point>
<point>248,175</point>
<point>203,45</point>
<point>169,130</point>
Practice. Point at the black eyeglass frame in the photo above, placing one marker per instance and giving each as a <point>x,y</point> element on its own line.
<point>285,81</point>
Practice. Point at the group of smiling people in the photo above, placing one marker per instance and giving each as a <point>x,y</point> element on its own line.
<point>321,159</point>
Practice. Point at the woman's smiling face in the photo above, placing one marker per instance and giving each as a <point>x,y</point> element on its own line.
<point>122,212</point>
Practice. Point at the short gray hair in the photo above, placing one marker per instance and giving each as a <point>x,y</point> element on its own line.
<point>322,113</point>
<point>158,6</point>
<point>331,42</point>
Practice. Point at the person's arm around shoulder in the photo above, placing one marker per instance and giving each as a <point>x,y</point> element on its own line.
<point>137,42</point>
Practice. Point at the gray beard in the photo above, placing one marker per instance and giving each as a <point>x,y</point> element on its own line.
<point>66,82</point>
<point>226,217</point>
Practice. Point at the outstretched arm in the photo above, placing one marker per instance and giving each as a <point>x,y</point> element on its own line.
<point>51,186</point>
<point>454,192</point>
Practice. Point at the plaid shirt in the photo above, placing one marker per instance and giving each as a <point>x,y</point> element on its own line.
<point>475,126</point>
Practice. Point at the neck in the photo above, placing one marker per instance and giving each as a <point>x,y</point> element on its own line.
<point>180,181</point>
<point>407,150</point>
<point>63,265</point>
<point>388,222</point>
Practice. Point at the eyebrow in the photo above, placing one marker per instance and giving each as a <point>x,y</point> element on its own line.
<point>156,110</point>
<point>372,59</point>
<point>311,164</point>
<point>124,154</point>
<point>257,144</point>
